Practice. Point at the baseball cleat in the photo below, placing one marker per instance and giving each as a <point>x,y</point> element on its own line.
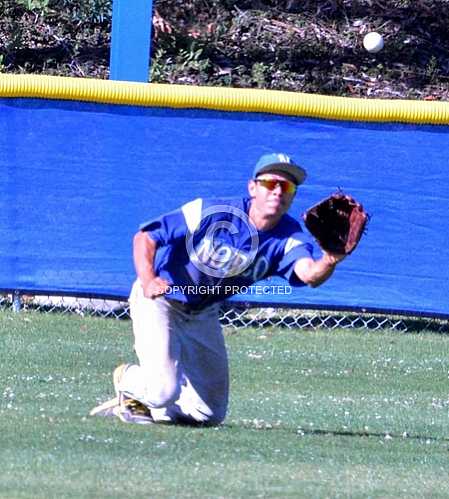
<point>110,407</point>
<point>129,410</point>
<point>106,409</point>
<point>133,411</point>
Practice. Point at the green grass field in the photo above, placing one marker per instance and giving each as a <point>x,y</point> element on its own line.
<point>313,414</point>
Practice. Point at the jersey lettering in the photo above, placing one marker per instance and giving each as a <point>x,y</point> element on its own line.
<point>257,270</point>
<point>221,257</point>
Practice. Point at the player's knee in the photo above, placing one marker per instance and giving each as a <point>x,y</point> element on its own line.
<point>196,418</point>
<point>217,416</point>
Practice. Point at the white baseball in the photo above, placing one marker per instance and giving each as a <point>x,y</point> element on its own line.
<point>373,42</point>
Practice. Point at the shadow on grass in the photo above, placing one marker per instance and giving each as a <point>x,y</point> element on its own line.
<point>265,426</point>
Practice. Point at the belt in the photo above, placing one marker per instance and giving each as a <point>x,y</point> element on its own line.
<point>185,307</point>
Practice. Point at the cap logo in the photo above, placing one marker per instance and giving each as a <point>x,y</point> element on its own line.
<point>283,158</point>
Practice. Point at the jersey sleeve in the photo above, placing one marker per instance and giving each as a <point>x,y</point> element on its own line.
<point>174,225</point>
<point>296,247</point>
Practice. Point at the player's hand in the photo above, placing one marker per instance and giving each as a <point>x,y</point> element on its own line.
<point>155,287</point>
<point>333,258</point>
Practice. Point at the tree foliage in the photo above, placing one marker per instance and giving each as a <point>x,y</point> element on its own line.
<point>307,46</point>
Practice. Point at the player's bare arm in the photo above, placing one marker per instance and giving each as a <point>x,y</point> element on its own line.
<point>144,250</point>
<point>316,272</point>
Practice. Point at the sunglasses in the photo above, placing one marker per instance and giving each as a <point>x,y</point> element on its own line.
<point>286,186</point>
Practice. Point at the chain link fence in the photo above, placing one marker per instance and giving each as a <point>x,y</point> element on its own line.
<point>233,316</point>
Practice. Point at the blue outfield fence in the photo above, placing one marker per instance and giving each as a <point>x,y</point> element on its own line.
<point>77,179</point>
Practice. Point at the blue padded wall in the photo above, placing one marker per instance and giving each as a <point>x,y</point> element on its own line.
<point>76,180</point>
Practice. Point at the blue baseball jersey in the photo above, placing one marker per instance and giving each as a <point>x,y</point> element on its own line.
<point>209,250</point>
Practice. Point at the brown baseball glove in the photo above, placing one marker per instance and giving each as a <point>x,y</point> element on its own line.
<point>337,223</point>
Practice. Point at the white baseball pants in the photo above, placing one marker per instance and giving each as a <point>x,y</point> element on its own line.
<point>183,366</point>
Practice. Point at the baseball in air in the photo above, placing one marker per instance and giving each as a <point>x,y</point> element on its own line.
<point>373,42</point>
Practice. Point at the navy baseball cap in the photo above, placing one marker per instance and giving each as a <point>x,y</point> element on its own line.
<point>281,163</point>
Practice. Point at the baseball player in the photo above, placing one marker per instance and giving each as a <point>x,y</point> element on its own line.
<point>187,262</point>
